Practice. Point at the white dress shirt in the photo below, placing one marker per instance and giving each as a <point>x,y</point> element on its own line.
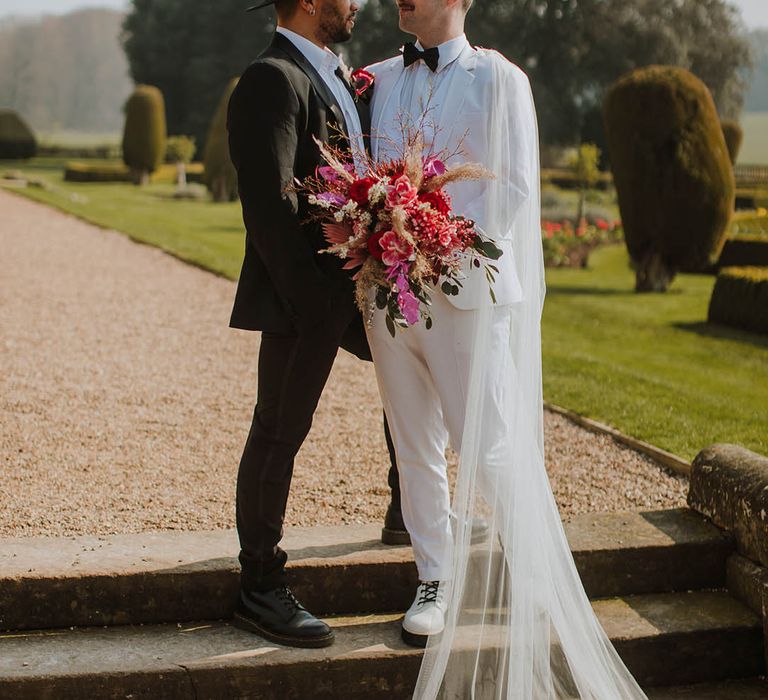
<point>422,92</point>
<point>325,62</point>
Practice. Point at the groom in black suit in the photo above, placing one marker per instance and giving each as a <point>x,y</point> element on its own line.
<point>301,301</point>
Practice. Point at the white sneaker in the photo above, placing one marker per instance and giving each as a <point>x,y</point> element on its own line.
<point>426,616</point>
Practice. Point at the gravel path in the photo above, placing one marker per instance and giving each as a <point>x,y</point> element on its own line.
<point>125,400</point>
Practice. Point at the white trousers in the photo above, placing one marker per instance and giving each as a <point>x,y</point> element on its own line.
<point>423,378</point>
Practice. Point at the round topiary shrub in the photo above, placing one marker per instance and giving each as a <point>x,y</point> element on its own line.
<point>220,174</point>
<point>17,140</point>
<point>740,299</point>
<point>734,137</point>
<point>145,134</point>
<point>672,173</point>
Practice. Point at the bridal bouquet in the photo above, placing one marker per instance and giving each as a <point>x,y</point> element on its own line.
<point>395,227</point>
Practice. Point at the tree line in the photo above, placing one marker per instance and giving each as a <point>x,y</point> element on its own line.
<point>69,72</point>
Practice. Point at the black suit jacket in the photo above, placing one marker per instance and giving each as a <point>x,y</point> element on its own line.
<point>279,105</point>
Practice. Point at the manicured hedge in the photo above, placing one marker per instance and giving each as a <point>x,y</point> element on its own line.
<point>102,152</point>
<point>93,172</point>
<point>17,141</point>
<point>117,172</point>
<point>751,198</point>
<point>567,180</point>
<point>673,176</point>
<point>145,132</point>
<point>744,251</point>
<point>220,174</point>
<point>740,299</point>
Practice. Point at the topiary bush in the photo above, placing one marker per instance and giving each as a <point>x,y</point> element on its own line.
<point>671,170</point>
<point>734,137</point>
<point>17,140</point>
<point>145,134</point>
<point>220,174</point>
<point>740,299</point>
<point>101,171</point>
<point>744,250</point>
<point>97,172</point>
<point>180,149</point>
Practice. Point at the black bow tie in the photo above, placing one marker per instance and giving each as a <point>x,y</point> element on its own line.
<point>430,56</point>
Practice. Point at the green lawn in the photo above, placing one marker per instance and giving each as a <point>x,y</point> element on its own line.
<point>649,364</point>
<point>206,234</point>
<point>646,364</point>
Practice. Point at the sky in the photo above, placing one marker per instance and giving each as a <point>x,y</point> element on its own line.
<point>755,12</point>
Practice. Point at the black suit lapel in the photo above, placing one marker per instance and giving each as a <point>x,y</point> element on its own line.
<point>364,112</point>
<point>286,45</point>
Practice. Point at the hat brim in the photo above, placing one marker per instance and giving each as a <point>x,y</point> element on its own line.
<point>267,3</point>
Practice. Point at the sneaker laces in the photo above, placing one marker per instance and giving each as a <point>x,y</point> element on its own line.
<point>285,596</point>
<point>429,591</point>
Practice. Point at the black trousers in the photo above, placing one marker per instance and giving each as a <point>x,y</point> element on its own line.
<point>293,370</point>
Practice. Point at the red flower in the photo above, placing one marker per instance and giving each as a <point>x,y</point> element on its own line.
<point>359,189</point>
<point>374,248</point>
<point>362,81</point>
<point>438,200</point>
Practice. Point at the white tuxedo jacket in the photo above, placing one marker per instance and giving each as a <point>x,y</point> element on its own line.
<point>463,114</point>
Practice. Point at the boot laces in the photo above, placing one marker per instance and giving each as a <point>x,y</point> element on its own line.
<point>429,591</point>
<point>285,595</point>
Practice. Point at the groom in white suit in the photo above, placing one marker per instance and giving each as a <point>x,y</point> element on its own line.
<point>441,86</point>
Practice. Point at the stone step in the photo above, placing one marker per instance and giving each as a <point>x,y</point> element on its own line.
<point>180,576</point>
<point>665,639</point>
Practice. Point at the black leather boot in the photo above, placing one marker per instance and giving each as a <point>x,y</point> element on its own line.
<point>394,531</point>
<point>277,616</point>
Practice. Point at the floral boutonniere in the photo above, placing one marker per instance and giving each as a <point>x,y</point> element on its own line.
<point>362,82</point>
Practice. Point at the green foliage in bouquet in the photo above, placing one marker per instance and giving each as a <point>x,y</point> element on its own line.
<point>734,137</point>
<point>145,133</point>
<point>220,174</point>
<point>740,299</point>
<point>672,172</point>
<point>17,141</point>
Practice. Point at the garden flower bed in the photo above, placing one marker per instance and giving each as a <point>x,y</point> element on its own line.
<point>566,245</point>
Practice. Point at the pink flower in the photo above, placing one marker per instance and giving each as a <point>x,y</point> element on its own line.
<point>433,167</point>
<point>406,299</point>
<point>401,192</point>
<point>329,174</point>
<point>332,198</point>
<point>395,249</point>
<point>409,305</point>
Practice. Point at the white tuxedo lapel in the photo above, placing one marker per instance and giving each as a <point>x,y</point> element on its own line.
<point>459,88</point>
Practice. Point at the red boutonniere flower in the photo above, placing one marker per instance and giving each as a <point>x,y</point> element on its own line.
<point>362,82</point>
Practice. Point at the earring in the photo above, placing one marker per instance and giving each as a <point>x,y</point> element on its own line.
<point>312,12</point>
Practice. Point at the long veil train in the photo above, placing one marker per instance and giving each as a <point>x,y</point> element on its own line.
<point>519,624</point>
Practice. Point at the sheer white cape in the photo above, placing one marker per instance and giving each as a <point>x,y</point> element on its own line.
<point>519,624</point>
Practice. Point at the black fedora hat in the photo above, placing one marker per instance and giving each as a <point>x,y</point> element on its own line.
<point>266,3</point>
